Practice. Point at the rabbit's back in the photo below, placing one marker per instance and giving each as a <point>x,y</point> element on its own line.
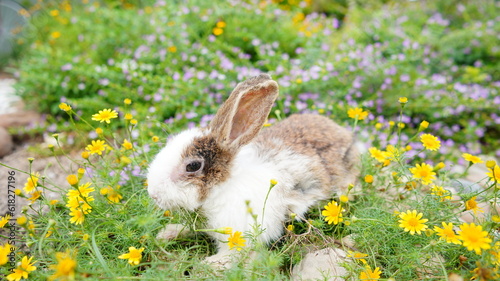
<point>331,147</point>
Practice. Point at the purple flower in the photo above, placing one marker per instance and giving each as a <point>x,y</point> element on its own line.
<point>191,115</point>
<point>66,67</point>
<point>404,78</point>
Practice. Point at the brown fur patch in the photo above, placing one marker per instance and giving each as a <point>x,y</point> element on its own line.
<point>335,158</point>
<point>217,163</point>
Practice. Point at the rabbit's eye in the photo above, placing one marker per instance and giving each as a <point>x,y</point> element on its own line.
<point>193,166</point>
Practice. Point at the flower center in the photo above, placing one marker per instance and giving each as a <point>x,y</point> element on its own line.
<point>413,222</point>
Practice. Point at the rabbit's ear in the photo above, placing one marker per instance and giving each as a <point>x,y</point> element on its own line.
<point>241,117</point>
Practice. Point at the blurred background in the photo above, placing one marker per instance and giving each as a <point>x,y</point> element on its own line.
<point>178,60</point>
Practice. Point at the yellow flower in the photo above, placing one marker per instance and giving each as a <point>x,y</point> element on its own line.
<point>127,145</point>
<point>105,115</point>
<point>80,172</point>
<point>55,34</point>
<point>172,49</point>
<point>439,166</point>
<point>357,113</point>
<point>441,192</point>
<point>54,13</point>
<point>369,179</point>
<point>474,238</point>
<point>53,202</point>
<point>447,234</point>
<point>378,126</point>
<point>273,182</point>
<point>77,216</point>
<point>22,271</point>
<point>83,190</point>
<point>495,219</point>
<point>31,183</point>
<point>78,199</point>
<point>412,222</point>
<point>403,100</point>
<point>217,31</point>
<point>494,174</point>
<point>4,220</point>
<point>31,226</point>
<point>133,121</point>
<point>134,255</point>
<point>357,256</point>
<point>65,5</point>
<point>472,158</point>
<point>96,147</point>
<point>430,142</point>
<point>128,116</point>
<point>471,204</point>
<point>85,154</point>
<point>127,101</point>
<point>392,153</point>
<point>80,203</point>
<point>490,164</point>
<point>72,179</point>
<point>64,106</point>
<point>423,125</point>
<point>99,131</point>
<point>223,230</point>
<point>379,155</point>
<point>34,196</point>
<point>236,241</point>
<point>65,267</point>
<point>333,213</point>
<point>22,220</point>
<point>112,194</point>
<point>4,253</point>
<point>423,172</point>
<point>221,24</point>
<point>370,275</point>
<point>344,198</point>
<point>155,139</point>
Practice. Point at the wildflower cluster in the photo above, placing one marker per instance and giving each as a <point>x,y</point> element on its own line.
<point>78,202</point>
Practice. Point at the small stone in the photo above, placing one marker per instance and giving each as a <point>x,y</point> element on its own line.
<point>348,241</point>
<point>18,119</point>
<point>466,186</point>
<point>477,173</point>
<point>6,143</point>
<point>324,264</point>
<point>455,277</point>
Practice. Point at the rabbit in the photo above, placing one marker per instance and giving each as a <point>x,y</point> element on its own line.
<point>226,168</point>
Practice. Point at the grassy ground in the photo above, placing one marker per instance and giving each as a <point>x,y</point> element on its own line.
<point>417,81</point>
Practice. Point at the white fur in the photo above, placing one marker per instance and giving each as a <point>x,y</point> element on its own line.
<point>166,193</point>
<point>253,169</point>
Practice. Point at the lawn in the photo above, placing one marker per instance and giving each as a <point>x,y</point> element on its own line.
<point>416,81</point>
